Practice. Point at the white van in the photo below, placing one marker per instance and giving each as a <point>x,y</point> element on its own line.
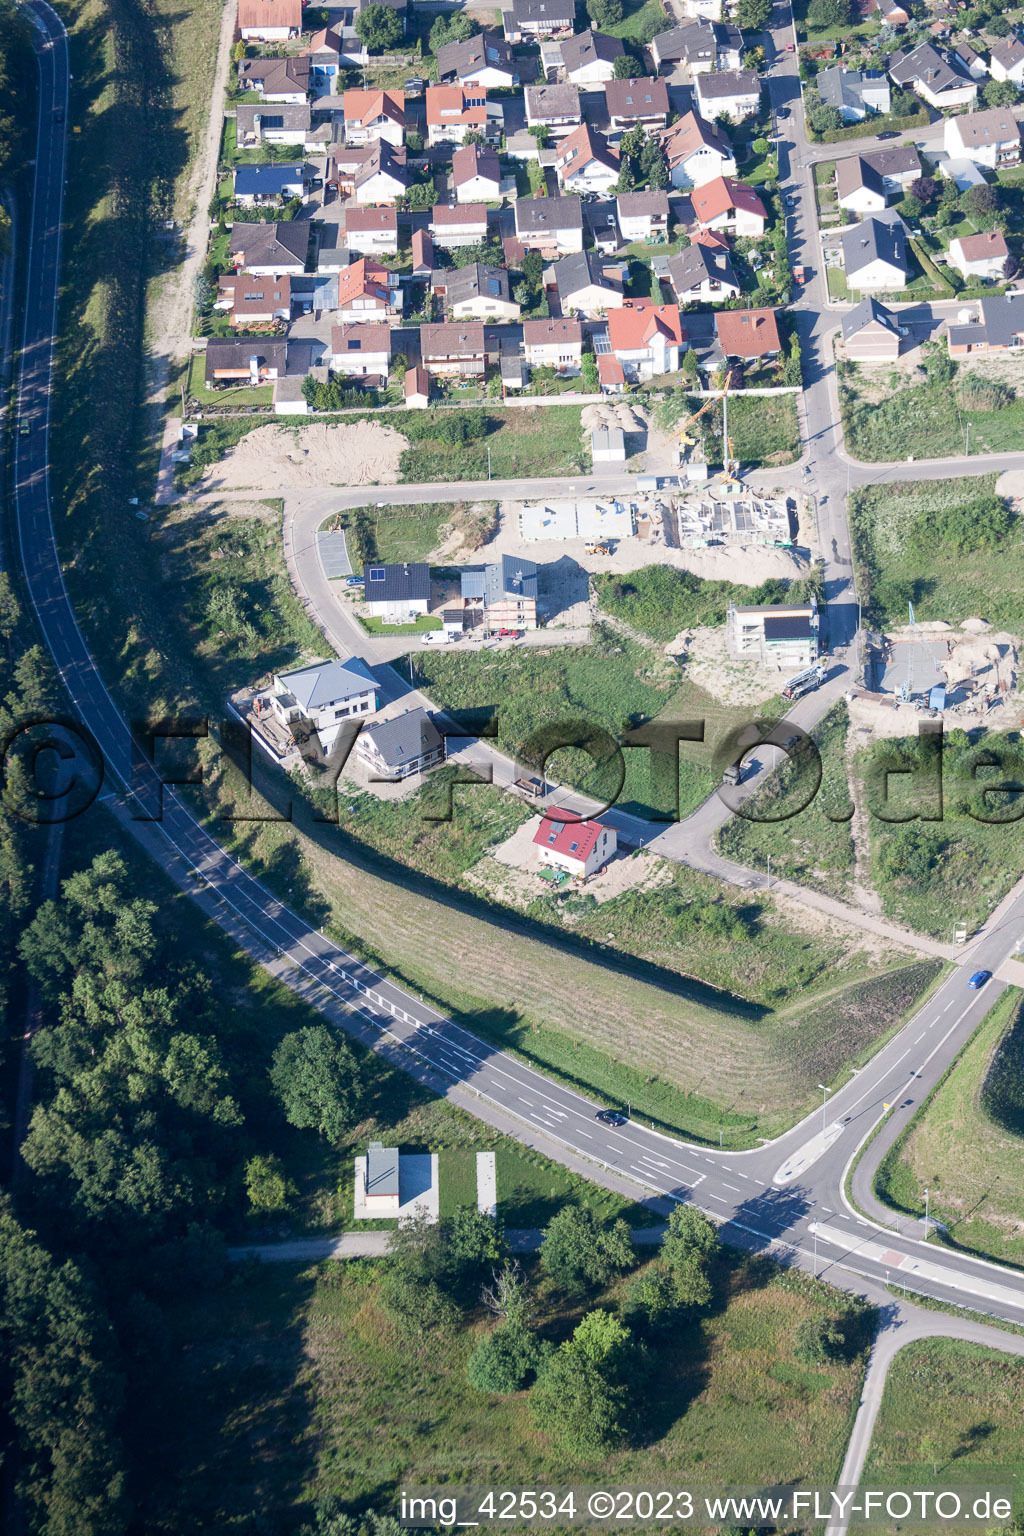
<point>437,637</point>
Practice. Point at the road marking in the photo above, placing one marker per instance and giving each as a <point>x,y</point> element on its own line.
<point>720,1198</point>
<point>522,1100</point>
<point>581,1132</point>
<point>921,1035</point>
<point>734,1187</point>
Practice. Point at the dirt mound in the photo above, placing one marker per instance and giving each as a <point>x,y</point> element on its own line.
<point>274,457</point>
<point>976,626</point>
<point>611,414</point>
<point>746,565</point>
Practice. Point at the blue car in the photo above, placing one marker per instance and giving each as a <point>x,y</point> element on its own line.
<point>979,979</point>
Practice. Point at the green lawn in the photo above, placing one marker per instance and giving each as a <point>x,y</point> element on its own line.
<point>638,19</point>
<point>952,1413</point>
<point>396,533</point>
<point>288,1367</point>
<point>928,421</point>
<point>965,1146</point>
<point>245,394</point>
<point>659,600</point>
<point>376,626</point>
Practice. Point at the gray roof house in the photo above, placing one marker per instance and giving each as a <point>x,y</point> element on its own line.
<point>590,55</point>
<point>270,247</point>
<point>854,92</point>
<point>396,749</point>
<point>393,585</point>
<point>1001,325</point>
<point>327,683</point>
<point>926,71</point>
<point>579,272</point>
<point>700,272</point>
<point>871,332</point>
<point>875,254</point>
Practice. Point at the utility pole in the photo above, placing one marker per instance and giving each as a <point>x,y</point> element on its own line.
<point>824,1097</point>
<point>927,1221</point>
<point>488,461</point>
<point>769,885</point>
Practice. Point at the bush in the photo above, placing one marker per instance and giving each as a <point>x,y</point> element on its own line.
<point>417,1306</point>
<point>506,1360</point>
<point>818,1340</point>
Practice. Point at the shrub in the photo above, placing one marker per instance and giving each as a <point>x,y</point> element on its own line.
<point>505,1360</point>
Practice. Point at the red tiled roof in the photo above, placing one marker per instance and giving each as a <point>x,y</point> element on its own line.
<point>448,104</point>
<point>718,196</point>
<point>747,332</point>
<point>979,247</point>
<point>462,213</point>
<point>633,327</point>
<point>471,160</point>
<point>609,369</point>
<point>362,280</point>
<point>270,13</point>
<point>573,839</point>
<point>371,218</point>
<point>367,106</point>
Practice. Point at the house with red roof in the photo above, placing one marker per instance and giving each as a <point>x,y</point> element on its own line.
<point>373,115</point>
<point>610,374</point>
<point>453,111</point>
<point>748,333</point>
<point>579,847</point>
<point>647,339</point>
<point>365,292</point>
<point>728,205</point>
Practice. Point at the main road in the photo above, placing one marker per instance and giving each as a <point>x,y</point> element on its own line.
<point>787,1196</point>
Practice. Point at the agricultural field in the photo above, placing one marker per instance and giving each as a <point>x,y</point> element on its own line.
<point>965,1146</point>
<point>952,1413</point>
<point>931,542</point>
<point>812,846</point>
<point>312,1354</point>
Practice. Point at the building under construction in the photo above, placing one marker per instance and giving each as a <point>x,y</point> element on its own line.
<point>713,518</point>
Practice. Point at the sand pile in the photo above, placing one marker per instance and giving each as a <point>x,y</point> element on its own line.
<point>747,565</point>
<point>610,414</point>
<point>273,457</point>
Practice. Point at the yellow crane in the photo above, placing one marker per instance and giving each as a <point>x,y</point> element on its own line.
<point>686,441</point>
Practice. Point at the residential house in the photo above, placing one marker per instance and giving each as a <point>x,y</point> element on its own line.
<point>417,389</point>
<point>382,177</point>
<point>552,225</point>
<point>324,695</point>
<point>454,349</point>
<point>894,15</point>
<point>991,139</point>
<point>965,58</point>
<point>859,187</point>
<point>399,748</point>
<point>552,344</point>
<point>258,185</point>
<point>643,216</point>
<point>783,636</point>
<point>248,360</point>
<point>484,60</point>
<point>554,107</point>
<point>361,351</point>
<point>398,593</point>
<point>371,231</point>
<point>422,253</point>
<point>586,162</point>
<point>589,57</point>
<point>255,300</point>
<point>269,21</point>
<point>648,339</point>
<point>476,175</point>
<point>581,848</point>
<point>747,334</point>
<point>530,20</point>
<point>925,70</point>
<point>478,292</point>
<point>696,152</point>
<point>366,292</point>
<point>871,333</point>
<point>585,286</point>
<point>699,47</point>
<point>502,595</point>
<point>263,250</point>
<point>602,225</point>
<point>267,123</point>
<point>898,166</point>
<point>732,93</point>
<point>855,93</point>
<point>452,225</point>
<point>703,10</point>
<point>610,374</point>
<point>641,103</point>
<point>453,111</point>
<point>344,164</point>
<point>998,328</point>
<point>1006,61</point>
<point>875,254</point>
<point>985,257</point>
<point>728,205</point>
<point>374,115</point>
<point>702,275</point>
<point>282,80</point>
<point>325,53</point>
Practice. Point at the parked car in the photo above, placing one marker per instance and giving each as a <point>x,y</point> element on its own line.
<point>437,637</point>
<point>979,979</point>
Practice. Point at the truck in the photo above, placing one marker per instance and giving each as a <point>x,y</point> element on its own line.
<point>804,682</point>
<point>732,773</point>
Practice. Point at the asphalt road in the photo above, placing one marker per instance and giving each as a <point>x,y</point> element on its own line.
<point>786,1196</point>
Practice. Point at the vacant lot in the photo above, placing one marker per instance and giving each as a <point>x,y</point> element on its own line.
<point>399,533</point>
<point>285,1368</point>
<point>660,600</point>
<point>908,549</point>
<point>763,429</point>
<point>930,421</point>
<point>952,1413</point>
<point>966,1145</point>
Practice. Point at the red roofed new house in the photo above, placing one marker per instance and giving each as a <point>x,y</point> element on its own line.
<point>729,205</point>
<point>579,847</point>
<point>647,339</point>
<point>364,292</point>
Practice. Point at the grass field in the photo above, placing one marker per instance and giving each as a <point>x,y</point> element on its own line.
<point>952,1413</point>
<point>949,584</point>
<point>807,847</point>
<point>287,1367</point>
<point>764,429</point>
<point>925,420</point>
<point>966,1145</point>
<point>659,600</point>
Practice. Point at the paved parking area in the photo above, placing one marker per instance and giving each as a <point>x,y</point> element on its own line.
<point>333,551</point>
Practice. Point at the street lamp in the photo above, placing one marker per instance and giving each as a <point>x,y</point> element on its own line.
<point>927,1221</point>
<point>824,1095</point>
<point>769,884</point>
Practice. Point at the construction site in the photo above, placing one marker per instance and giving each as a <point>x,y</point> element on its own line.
<point>966,675</point>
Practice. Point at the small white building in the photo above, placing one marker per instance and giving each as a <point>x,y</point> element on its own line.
<point>608,445</point>
<point>991,139</point>
<point>397,594</point>
<point>552,343</point>
<point>1007,60</point>
<point>735,94</point>
<point>985,256</point>
<point>381,1192</point>
<point>581,848</point>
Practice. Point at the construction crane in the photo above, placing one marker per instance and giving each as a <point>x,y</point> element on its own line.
<point>686,441</point>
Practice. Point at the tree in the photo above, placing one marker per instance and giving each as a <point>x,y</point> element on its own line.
<point>505,1360</point>
<point>981,203</point>
<point>508,1296</point>
<point>316,1077</point>
<point>583,1394</point>
<point>753,15</point>
<point>650,1306</point>
<point>267,1185</point>
<point>625,67</point>
<point>589,377</point>
<point>818,1340</point>
<point>378,28</point>
<point>911,209</point>
<point>828,13</point>
<point>443,31</point>
<point>688,1251</point>
<point>578,1253</point>
<point>824,118</point>
<point>473,1243</point>
<point>604,13</point>
<point>688,367</point>
<point>925,189</point>
<point>999,93</point>
<point>422,194</point>
<point>999,26</point>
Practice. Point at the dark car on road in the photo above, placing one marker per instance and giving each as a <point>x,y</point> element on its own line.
<point>979,979</point>
<point>611,1117</point>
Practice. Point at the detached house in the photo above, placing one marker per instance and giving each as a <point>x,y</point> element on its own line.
<point>361,351</point>
<point>700,47</point>
<point>382,177</point>
<point>1006,61</point>
<point>454,349</point>
<point>397,594</point>
<point>371,231</point>
<point>324,695</point>
<point>266,123</point>
<point>269,21</point>
<point>991,139</point>
<point>586,287</point>
<point>476,175</point>
<point>585,162</point>
<point>924,70</point>
<point>255,300</point>
<point>875,254</point>
<point>552,343</point>
<point>257,185</point>
<point>282,80</point>
<point>530,20</point>
<point>696,151</point>
<point>998,328</point>
<point>365,292</point>
<point>871,333</point>
<point>453,111</point>
<point>728,205</point>
<point>479,292</point>
<point>647,339</point>
<point>642,216</point>
<point>985,257</point>
<point>702,275</point>
<point>245,360</point>
<point>859,187</point>
<point>554,107</point>
<point>641,103</point>
<point>502,595</point>
<point>581,848</point>
<point>458,225</point>
<point>397,749</point>
<point>485,60</point>
<point>552,225</point>
<point>589,57</point>
<point>747,334</point>
<point>854,93</point>
<point>374,115</point>
<point>734,94</point>
<point>263,250</point>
